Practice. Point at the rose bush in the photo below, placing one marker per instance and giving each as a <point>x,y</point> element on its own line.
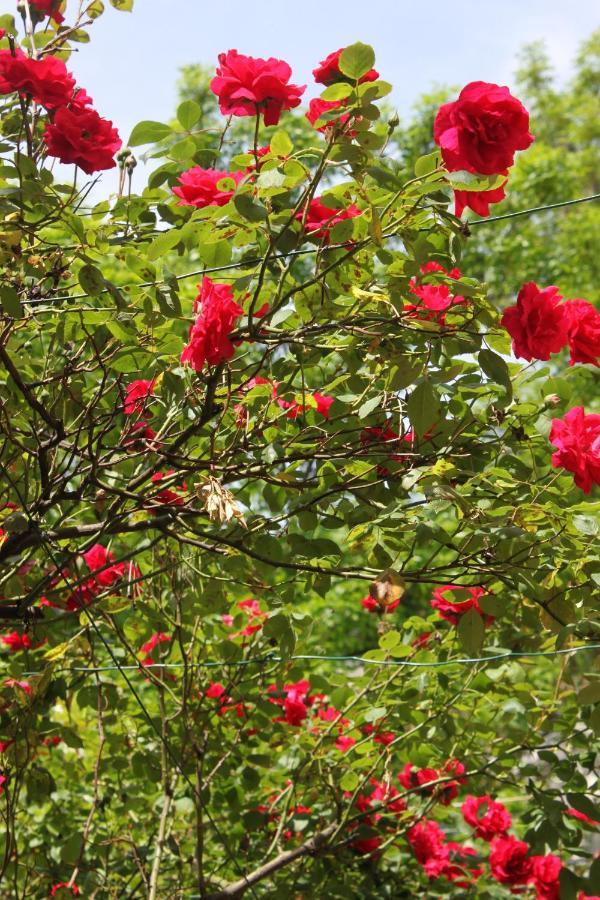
<point>197,480</point>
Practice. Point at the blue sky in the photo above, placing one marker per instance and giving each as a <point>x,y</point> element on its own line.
<point>131,66</point>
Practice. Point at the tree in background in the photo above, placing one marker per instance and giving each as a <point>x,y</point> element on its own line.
<point>262,414</point>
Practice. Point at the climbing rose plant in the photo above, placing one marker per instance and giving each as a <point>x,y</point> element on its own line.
<point>261,398</point>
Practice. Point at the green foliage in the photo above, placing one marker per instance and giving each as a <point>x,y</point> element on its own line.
<point>185,760</point>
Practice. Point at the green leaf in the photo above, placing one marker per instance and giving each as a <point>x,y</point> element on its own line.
<point>123,5</point>
<point>10,301</point>
<point>148,133</point>
<point>337,92</point>
<point>91,280</point>
<point>423,408</point>
<point>589,694</point>
<point>188,113</point>
<point>281,144</point>
<point>356,60</point>
<point>584,805</point>
<point>586,524</point>
<point>349,781</point>
<point>248,209</point>
<point>7,22</point>
<point>375,713</point>
<point>389,639</point>
<point>271,179</point>
<point>491,605</point>
<point>470,181</point>
<point>471,631</point>
<point>368,406</point>
<point>425,165</point>
<point>163,243</point>
<point>496,369</point>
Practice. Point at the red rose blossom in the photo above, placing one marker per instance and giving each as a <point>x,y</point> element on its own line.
<point>200,187</point>
<point>583,327</point>
<point>137,395</point>
<point>16,642</point>
<point>166,496</point>
<point>151,644</point>
<point>209,335</point>
<point>577,438</point>
<point>81,137</point>
<point>452,610</point>
<point>317,107</point>
<point>49,8</point>
<point>538,323</point>
<point>328,71</point>
<point>546,875</point>
<point>320,219</point>
<point>45,80</point>
<point>493,821</point>
<point>482,130</point>
<point>510,862</point>
<point>249,86</point>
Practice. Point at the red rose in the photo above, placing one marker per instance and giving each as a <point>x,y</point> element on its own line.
<point>452,610</point>
<point>510,862</point>
<point>494,821</point>
<point>583,325</point>
<point>323,403</point>
<point>46,80</point>
<point>328,70</point>
<point>209,335</point>
<point>320,219</point>
<point>577,438</point>
<point>15,641</point>
<point>295,701</point>
<point>80,136</point>
<point>137,395</point>
<point>435,299</point>
<point>248,86</point>
<point>546,874</point>
<point>317,107</point>
<point>48,8</point>
<point>151,644</point>
<point>482,129</point>
<point>200,187</point>
<point>478,201</point>
<point>538,323</point>
<point>167,496</point>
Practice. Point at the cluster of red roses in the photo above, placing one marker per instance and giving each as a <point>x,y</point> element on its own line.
<point>75,133</point>
<point>479,133</point>
<point>105,576</point>
<point>435,298</point>
<point>540,324</point>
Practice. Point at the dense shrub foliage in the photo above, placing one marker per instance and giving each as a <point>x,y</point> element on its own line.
<point>298,561</point>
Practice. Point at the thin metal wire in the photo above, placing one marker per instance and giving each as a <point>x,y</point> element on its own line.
<point>273,658</point>
<point>255,261</point>
<point>533,209</point>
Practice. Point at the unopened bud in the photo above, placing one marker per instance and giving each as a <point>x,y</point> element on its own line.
<point>393,122</point>
<point>551,401</point>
